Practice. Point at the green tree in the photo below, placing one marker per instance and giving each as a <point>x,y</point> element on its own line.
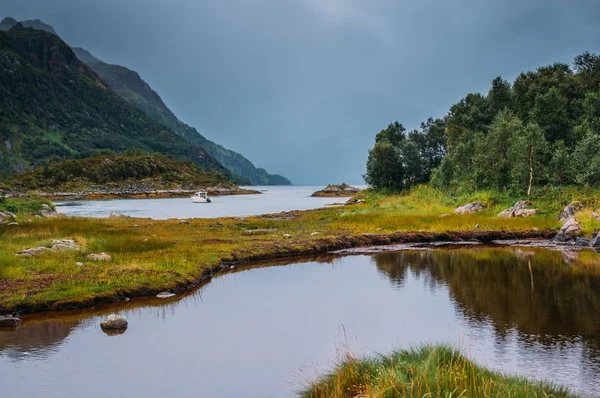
<point>560,168</point>
<point>384,167</point>
<point>528,158</point>
<point>586,160</point>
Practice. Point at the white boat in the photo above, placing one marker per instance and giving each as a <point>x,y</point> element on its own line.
<point>201,197</point>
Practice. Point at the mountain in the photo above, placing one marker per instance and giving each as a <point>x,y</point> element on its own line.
<point>53,107</point>
<point>8,23</point>
<point>131,87</point>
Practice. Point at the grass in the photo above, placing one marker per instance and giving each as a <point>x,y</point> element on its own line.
<point>424,372</point>
<point>150,255</point>
<point>23,206</point>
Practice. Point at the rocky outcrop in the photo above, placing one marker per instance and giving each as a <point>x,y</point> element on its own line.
<point>569,230</point>
<point>9,321</point>
<point>469,208</point>
<point>520,209</point>
<point>55,245</point>
<point>569,210</point>
<point>114,321</point>
<point>6,217</point>
<point>99,257</point>
<point>48,212</point>
<point>332,190</point>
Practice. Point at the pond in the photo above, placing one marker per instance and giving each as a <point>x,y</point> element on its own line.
<point>274,199</point>
<point>265,331</point>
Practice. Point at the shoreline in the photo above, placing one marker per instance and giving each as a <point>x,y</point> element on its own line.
<point>141,194</point>
<point>336,246</point>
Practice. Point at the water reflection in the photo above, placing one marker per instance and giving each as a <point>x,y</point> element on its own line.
<point>248,333</point>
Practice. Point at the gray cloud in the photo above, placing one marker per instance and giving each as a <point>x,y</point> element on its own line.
<point>301,87</point>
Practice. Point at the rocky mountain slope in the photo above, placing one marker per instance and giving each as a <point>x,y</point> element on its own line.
<point>53,107</point>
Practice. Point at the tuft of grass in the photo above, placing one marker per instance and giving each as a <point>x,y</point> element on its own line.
<point>423,372</point>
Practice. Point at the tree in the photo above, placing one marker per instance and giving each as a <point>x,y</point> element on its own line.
<point>560,167</point>
<point>384,167</point>
<point>587,66</point>
<point>499,97</point>
<point>394,134</point>
<point>586,160</point>
<point>528,155</point>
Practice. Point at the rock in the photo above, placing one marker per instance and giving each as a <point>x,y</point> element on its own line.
<point>337,190</point>
<point>114,214</point>
<point>48,212</point>
<point>114,321</point>
<point>476,226</point>
<point>518,210</point>
<point>163,295</point>
<point>569,229</point>
<point>9,321</point>
<point>469,208</point>
<point>6,216</point>
<point>184,222</point>
<point>79,263</point>
<point>444,215</point>
<point>595,242</point>
<point>596,216</point>
<point>64,244</point>
<point>34,251</point>
<point>13,223</point>
<point>315,233</point>
<point>584,242</point>
<point>569,210</point>
<point>99,257</point>
<point>287,236</point>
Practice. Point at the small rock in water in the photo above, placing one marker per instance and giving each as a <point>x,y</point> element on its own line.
<point>287,236</point>
<point>99,257</point>
<point>114,321</point>
<point>9,321</point>
<point>163,295</point>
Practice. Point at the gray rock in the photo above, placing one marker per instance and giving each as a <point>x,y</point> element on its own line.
<point>596,216</point>
<point>469,208</point>
<point>569,210</point>
<point>99,257</point>
<point>9,321</point>
<point>520,209</point>
<point>64,244</point>
<point>114,214</point>
<point>48,212</point>
<point>13,223</point>
<point>6,216</point>
<point>164,295</point>
<point>569,229</point>
<point>287,236</point>
<point>114,321</point>
<point>34,251</point>
<point>79,263</point>
<point>582,241</point>
<point>315,233</point>
<point>595,242</point>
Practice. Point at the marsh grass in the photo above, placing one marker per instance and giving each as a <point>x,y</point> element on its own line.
<point>151,255</point>
<point>423,372</point>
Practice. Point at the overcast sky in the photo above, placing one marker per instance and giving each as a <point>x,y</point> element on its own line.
<point>302,87</point>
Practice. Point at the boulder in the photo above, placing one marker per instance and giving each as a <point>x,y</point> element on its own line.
<point>115,214</point>
<point>34,251</point>
<point>163,295</point>
<point>64,244</point>
<point>114,321</point>
<point>48,212</point>
<point>520,209</point>
<point>595,242</point>
<point>9,321</point>
<point>569,210</point>
<point>469,208</point>
<point>6,216</point>
<point>569,229</point>
<point>99,257</point>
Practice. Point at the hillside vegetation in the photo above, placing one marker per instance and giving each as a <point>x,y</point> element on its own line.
<point>149,171</point>
<point>132,88</point>
<point>541,130</point>
<point>54,107</point>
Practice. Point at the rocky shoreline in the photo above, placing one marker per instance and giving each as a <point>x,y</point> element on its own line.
<point>134,193</point>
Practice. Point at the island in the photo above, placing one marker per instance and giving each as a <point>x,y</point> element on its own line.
<point>333,191</point>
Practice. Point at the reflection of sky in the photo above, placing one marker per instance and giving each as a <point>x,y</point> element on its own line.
<point>262,332</point>
<point>274,199</point>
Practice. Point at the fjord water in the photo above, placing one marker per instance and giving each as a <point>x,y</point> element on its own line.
<point>273,199</point>
<point>265,331</point>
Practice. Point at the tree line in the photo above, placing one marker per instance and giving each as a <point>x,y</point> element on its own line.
<point>543,129</point>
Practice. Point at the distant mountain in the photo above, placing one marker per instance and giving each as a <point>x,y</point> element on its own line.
<point>53,106</point>
<point>8,23</point>
<point>131,87</point>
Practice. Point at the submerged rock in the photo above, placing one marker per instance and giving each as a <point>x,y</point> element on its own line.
<point>9,321</point>
<point>469,208</point>
<point>114,321</point>
<point>99,257</point>
<point>163,295</point>
<point>569,210</point>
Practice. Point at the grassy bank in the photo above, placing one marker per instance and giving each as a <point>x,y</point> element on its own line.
<point>428,371</point>
<point>150,255</point>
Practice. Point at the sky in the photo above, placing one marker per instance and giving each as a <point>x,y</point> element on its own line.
<point>302,87</point>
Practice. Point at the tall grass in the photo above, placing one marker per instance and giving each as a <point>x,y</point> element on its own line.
<point>424,372</point>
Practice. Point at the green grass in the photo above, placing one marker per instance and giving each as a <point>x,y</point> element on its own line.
<point>424,372</point>
<point>159,255</point>
<point>24,207</point>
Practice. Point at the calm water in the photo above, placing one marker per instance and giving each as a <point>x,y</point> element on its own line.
<point>264,331</point>
<point>274,199</point>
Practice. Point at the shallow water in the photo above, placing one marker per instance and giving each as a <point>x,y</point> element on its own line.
<point>274,199</point>
<point>263,332</point>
